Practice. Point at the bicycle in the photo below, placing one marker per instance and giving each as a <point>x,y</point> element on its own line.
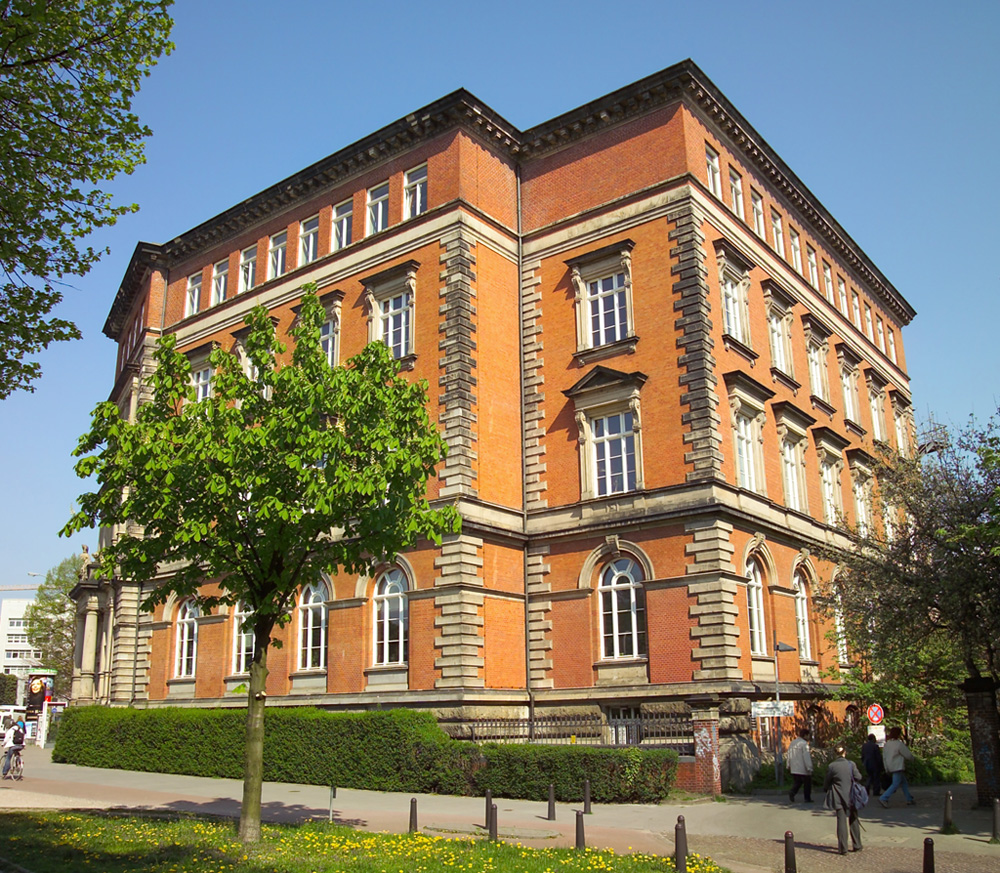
<point>16,771</point>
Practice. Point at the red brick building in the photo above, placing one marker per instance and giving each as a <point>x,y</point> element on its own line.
<point>661,367</point>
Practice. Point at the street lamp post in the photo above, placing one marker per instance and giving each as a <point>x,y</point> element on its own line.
<point>779,775</point>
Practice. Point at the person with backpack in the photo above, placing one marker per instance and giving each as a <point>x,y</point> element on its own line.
<point>871,758</point>
<point>840,778</point>
<point>13,741</point>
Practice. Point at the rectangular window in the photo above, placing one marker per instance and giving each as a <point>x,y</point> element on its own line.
<point>192,303</point>
<point>328,342</point>
<point>828,282</point>
<point>276,263</point>
<point>860,489</point>
<point>828,484</point>
<point>220,282</point>
<point>842,291</point>
<point>736,192</point>
<point>790,474</point>
<point>746,468</point>
<point>880,334</point>
<point>248,269</point>
<point>878,417</point>
<point>757,208</point>
<point>777,332</point>
<point>378,208</point>
<point>733,314</point>
<point>202,380</point>
<point>614,450</point>
<point>796,245</point>
<point>848,382</point>
<point>856,307</point>
<point>712,170</point>
<point>309,240</point>
<point>342,221</point>
<point>415,192</point>
<point>902,435</point>
<point>869,330</point>
<point>777,233</point>
<point>608,309</point>
<point>892,346</point>
<point>813,269</point>
<point>818,380</point>
<point>396,313</point>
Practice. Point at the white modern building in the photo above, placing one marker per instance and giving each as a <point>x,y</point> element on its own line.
<point>17,655</point>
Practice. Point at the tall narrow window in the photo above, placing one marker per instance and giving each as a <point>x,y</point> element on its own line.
<point>757,208</point>
<point>602,287</point>
<point>623,610</point>
<point>880,334</point>
<point>848,382</point>
<point>614,453</point>
<point>876,396</point>
<point>755,607</point>
<point>378,208</point>
<point>869,328</point>
<point>186,654</point>
<point>220,282</point>
<point>342,223</point>
<point>747,400</point>
<point>779,327</point>
<point>391,618</point>
<point>818,382</point>
<point>328,341</point>
<point>777,233</point>
<point>248,269</point>
<point>243,640</point>
<point>796,246</point>
<point>309,240</point>
<point>859,486</point>
<point>192,303</point>
<point>734,309</point>
<point>801,589</point>
<point>415,192</point>
<point>736,192</point>
<point>856,307</point>
<point>608,309</point>
<point>830,486</point>
<point>390,300</point>
<point>813,268</point>
<point>395,316</point>
<point>790,466</point>
<point>202,381</point>
<point>712,171</point>
<point>746,467</point>
<point>892,345</point>
<point>842,292</point>
<point>828,283</point>
<point>312,629</point>
<point>276,255</point>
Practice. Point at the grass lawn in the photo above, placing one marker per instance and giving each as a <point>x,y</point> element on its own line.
<point>54,842</point>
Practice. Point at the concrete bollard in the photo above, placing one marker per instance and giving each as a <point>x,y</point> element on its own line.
<point>790,866</point>
<point>996,822</point>
<point>581,839</point>
<point>948,827</point>
<point>928,855</point>
<point>489,803</point>
<point>413,815</point>
<point>680,845</point>
<point>552,802</point>
<point>493,823</point>
<point>586,797</point>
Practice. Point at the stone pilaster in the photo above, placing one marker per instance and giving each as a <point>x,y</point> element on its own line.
<point>534,397</point>
<point>460,601</point>
<point>539,619</point>
<point>716,635</point>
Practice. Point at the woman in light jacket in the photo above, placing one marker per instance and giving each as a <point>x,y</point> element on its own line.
<point>895,754</point>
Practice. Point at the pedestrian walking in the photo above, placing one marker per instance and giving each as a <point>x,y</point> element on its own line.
<point>871,760</point>
<point>839,776</point>
<point>895,754</point>
<point>801,766</point>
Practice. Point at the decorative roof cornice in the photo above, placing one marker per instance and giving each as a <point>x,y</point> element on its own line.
<point>146,257</point>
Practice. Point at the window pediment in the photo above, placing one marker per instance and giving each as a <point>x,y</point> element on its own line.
<point>603,385</point>
<point>747,390</point>
<point>792,418</point>
<point>816,330</point>
<point>829,442</point>
<point>732,259</point>
<point>777,297</point>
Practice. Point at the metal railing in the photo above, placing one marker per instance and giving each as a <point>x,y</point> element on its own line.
<point>648,730</point>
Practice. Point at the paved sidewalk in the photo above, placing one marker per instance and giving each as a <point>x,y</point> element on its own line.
<point>745,834</point>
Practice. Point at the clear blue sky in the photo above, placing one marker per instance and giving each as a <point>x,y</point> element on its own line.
<point>888,111</point>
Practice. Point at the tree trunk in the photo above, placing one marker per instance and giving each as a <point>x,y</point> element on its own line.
<point>984,728</point>
<point>253,765</point>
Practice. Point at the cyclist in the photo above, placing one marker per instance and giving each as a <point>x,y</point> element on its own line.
<point>13,741</point>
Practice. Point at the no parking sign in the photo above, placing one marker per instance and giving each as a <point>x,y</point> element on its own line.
<point>875,714</point>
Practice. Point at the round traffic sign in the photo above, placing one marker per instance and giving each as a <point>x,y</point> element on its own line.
<point>875,714</point>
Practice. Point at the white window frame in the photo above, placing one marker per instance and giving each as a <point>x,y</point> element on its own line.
<point>869,326</point>
<point>876,406</point>
<point>849,385</point>
<point>880,334</point>
<point>779,327</point>
<point>308,240</point>
<point>713,171</point>
<point>613,441</point>
<point>248,268</point>
<point>277,255</point>
<point>800,585</point>
<point>828,283</point>
<point>736,192</point>
<point>312,622</point>
<point>390,304</point>
<point>377,208</point>
<point>795,241</point>
<point>778,233</point>
<point>243,640</point>
<point>755,606</point>
<point>602,278</point>
<point>622,602</point>
<point>792,427</point>
<point>842,291</point>
<point>415,191</point>
<point>220,282</point>
<point>856,308</point>
<point>192,301</point>
<point>201,380</point>
<point>747,400</point>
<point>186,642</point>
<point>861,482</point>
<point>757,212</point>
<point>817,355</point>
<point>343,225</point>
<point>813,266</point>
<point>734,283</point>
<point>891,336</point>
<point>390,618</point>
<point>830,448</point>
<point>901,421</point>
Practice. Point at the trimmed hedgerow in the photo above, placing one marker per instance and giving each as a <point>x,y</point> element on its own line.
<point>8,689</point>
<point>393,750</point>
<point>622,775</point>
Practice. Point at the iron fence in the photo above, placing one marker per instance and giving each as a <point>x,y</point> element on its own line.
<point>648,730</point>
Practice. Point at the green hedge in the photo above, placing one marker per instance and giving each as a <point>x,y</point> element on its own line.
<point>392,750</point>
<point>8,689</point>
<point>622,775</point>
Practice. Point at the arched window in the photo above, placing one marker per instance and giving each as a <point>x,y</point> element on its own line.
<point>312,628</point>
<point>623,610</point>
<point>391,618</point>
<point>243,642</point>
<point>755,607</point>
<point>801,587</point>
<point>187,639</point>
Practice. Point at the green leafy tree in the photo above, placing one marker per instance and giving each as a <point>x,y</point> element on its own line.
<point>916,594</point>
<point>51,623</point>
<point>68,72</point>
<point>282,474</point>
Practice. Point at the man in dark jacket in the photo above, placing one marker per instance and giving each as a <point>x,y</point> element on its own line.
<point>839,776</point>
<point>871,760</point>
